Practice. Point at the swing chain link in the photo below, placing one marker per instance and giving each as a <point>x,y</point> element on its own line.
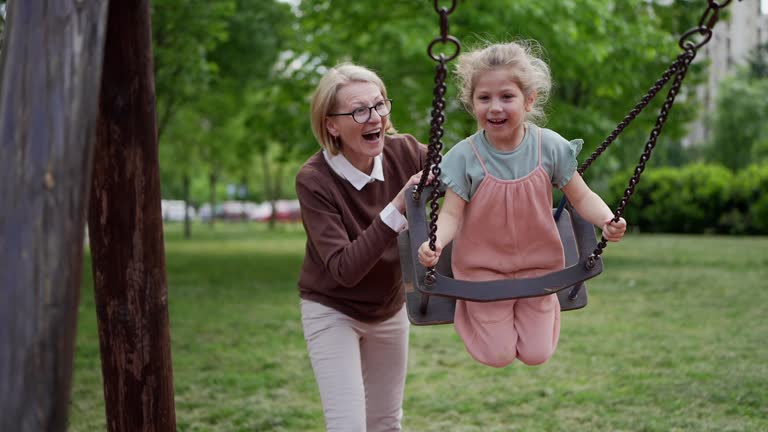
<point>706,23</point>
<point>434,153</point>
<point>444,37</point>
<point>638,108</point>
<point>679,69</point>
<point>687,58</point>
<point>435,149</point>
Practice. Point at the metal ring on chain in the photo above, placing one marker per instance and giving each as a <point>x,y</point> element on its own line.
<point>450,40</point>
<point>451,9</point>
<point>714,4</point>
<point>689,45</point>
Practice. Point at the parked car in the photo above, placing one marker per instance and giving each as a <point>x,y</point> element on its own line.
<point>173,210</point>
<point>285,211</point>
<point>260,212</point>
<point>232,210</point>
<point>288,210</point>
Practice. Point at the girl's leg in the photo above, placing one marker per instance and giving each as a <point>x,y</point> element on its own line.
<point>333,343</point>
<point>384,352</point>
<point>488,330</point>
<point>537,321</point>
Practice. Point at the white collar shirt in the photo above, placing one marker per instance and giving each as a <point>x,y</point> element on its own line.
<point>347,171</point>
<point>358,179</point>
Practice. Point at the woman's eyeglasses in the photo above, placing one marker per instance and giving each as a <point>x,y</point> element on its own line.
<point>363,114</point>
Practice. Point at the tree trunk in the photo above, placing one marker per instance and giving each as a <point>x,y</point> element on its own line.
<point>212,190</point>
<point>187,224</point>
<point>48,104</point>
<point>242,196</point>
<point>126,232</point>
<point>269,193</point>
<point>277,192</point>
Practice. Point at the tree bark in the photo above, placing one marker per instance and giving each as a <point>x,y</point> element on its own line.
<point>51,59</point>
<point>126,232</point>
<point>212,179</point>
<point>269,193</point>
<point>272,185</point>
<point>187,222</point>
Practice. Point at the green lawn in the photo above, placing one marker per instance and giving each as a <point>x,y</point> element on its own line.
<point>674,339</point>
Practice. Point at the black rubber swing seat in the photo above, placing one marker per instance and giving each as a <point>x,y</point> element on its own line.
<point>431,304</point>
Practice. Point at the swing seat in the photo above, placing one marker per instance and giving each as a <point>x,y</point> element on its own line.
<point>430,304</point>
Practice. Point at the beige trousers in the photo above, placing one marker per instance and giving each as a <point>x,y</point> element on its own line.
<point>360,368</point>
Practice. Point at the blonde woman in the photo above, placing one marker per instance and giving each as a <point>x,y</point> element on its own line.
<point>352,196</point>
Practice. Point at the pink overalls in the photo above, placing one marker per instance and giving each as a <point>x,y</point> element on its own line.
<point>508,232</point>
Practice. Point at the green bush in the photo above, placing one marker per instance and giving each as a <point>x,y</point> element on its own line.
<point>750,197</point>
<point>697,198</point>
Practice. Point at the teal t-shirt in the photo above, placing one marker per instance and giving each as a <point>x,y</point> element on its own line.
<point>462,172</point>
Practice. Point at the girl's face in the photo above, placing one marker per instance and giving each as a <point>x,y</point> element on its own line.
<point>499,106</point>
<point>360,142</point>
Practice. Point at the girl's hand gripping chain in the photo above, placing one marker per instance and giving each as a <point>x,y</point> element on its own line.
<point>427,257</point>
<point>614,231</point>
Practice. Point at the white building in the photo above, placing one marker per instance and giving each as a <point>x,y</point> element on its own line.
<point>732,42</point>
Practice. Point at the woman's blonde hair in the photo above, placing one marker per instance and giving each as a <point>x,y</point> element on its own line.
<point>324,100</point>
<point>529,71</point>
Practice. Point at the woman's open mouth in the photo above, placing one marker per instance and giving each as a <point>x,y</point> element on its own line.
<point>372,136</point>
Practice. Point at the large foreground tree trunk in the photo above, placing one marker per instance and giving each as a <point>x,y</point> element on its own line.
<point>126,233</point>
<point>51,61</point>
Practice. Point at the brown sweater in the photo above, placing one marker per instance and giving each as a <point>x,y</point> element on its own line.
<point>351,262</point>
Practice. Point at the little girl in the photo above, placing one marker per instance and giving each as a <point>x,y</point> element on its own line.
<point>498,203</point>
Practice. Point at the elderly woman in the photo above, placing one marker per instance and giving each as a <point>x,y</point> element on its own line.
<point>352,196</point>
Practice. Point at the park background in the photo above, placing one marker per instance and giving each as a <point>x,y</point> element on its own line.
<point>673,338</point>
<point>233,80</point>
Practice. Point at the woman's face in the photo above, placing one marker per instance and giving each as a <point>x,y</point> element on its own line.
<point>360,143</point>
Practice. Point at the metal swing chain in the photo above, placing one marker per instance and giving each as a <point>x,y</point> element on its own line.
<point>679,68</point>
<point>673,69</point>
<point>434,156</point>
<point>706,23</point>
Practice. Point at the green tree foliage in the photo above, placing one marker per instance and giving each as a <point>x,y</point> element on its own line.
<point>604,56</point>
<point>740,122</point>
<point>229,52</point>
<point>240,75</point>
<point>270,105</point>
<point>184,33</point>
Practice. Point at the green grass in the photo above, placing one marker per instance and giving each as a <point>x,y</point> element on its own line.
<point>674,339</point>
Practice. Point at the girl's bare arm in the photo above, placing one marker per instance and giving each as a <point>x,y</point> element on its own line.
<point>592,208</point>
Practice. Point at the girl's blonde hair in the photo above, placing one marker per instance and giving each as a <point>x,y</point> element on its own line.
<point>528,70</point>
<point>324,100</point>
